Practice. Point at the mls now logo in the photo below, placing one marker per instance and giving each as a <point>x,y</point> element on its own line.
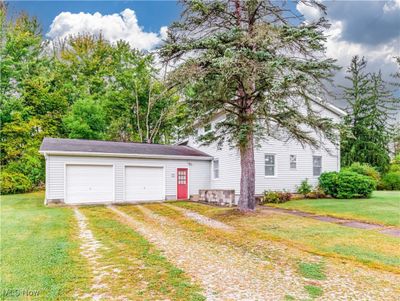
<point>20,292</point>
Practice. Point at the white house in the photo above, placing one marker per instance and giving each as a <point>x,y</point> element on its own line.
<point>88,172</point>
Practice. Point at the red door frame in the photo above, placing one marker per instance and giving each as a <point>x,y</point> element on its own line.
<point>182,188</point>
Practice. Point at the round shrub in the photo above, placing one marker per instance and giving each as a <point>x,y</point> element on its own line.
<point>14,182</point>
<point>328,181</point>
<point>354,185</point>
<point>364,169</point>
<point>347,184</point>
<point>391,181</point>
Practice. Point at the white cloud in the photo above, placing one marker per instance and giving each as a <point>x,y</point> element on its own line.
<point>164,32</point>
<point>122,26</point>
<point>310,12</point>
<point>391,6</point>
<point>379,56</point>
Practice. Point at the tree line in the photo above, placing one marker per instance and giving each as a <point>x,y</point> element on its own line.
<point>247,59</point>
<point>80,87</point>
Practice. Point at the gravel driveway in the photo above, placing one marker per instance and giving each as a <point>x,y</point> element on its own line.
<point>229,273</point>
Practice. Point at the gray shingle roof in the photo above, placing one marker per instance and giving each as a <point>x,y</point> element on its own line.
<point>110,147</point>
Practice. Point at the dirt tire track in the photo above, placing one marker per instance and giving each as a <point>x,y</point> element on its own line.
<point>224,273</point>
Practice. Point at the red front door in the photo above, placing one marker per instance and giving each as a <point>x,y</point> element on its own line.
<point>182,183</point>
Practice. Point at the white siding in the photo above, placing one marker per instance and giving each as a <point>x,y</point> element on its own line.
<point>199,173</point>
<point>285,178</point>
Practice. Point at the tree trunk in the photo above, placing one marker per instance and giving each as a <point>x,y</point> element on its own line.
<point>247,201</point>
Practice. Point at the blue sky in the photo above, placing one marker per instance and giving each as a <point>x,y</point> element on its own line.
<point>151,14</point>
<point>366,28</point>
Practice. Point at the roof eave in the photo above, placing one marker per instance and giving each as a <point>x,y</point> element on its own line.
<point>122,155</point>
<point>331,107</point>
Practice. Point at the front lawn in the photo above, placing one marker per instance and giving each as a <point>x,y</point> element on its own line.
<point>41,256</point>
<point>39,250</point>
<point>67,253</point>
<point>382,208</point>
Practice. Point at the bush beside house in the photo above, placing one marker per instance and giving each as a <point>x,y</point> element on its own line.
<point>304,188</point>
<point>346,184</point>
<point>276,197</point>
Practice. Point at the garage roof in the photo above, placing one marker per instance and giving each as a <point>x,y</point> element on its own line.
<point>92,147</point>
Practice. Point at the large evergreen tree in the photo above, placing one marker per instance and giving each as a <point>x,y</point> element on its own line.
<point>259,65</point>
<point>370,108</point>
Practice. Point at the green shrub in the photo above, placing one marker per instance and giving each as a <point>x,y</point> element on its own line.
<point>364,169</point>
<point>276,197</point>
<point>391,181</point>
<point>354,185</point>
<point>14,182</point>
<point>347,184</point>
<point>328,181</point>
<point>304,187</point>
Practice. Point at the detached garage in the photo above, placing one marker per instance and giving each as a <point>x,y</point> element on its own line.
<point>103,172</point>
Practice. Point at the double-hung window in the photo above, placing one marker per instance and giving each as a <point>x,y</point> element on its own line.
<point>216,169</point>
<point>293,161</point>
<point>269,165</point>
<point>317,165</point>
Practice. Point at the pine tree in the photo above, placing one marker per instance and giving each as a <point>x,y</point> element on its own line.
<point>253,62</point>
<point>370,116</point>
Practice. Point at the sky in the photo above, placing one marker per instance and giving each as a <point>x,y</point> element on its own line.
<point>366,28</point>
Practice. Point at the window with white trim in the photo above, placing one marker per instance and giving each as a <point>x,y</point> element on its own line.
<point>293,161</point>
<point>317,165</point>
<point>216,168</point>
<point>269,165</point>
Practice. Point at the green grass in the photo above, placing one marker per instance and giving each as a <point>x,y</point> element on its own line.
<point>382,208</point>
<point>312,270</point>
<point>314,291</point>
<point>40,248</point>
<point>326,239</point>
<point>39,251</point>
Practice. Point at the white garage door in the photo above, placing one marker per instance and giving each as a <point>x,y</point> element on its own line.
<point>144,183</point>
<point>89,183</point>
